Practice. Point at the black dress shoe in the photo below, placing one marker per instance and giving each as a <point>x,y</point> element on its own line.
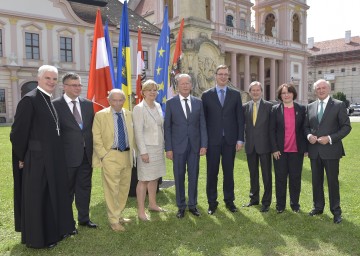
<point>72,233</point>
<point>315,212</point>
<point>251,204</point>
<point>195,212</point>
<point>180,214</point>
<point>212,210</point>
<point>231,207</point>
<point>265,208</point>
<point>52,245</point>
<point>296,210</point>
<point>337,219</point>
<point>88,224</point>
<point>279,210</point>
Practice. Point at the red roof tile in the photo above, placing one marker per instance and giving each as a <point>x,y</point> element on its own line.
<point>335,46</point>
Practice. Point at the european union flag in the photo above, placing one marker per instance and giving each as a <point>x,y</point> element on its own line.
<point>161,73</point>
<point>124,64</point>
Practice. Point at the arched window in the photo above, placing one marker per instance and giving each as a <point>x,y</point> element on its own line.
<point>296,28</point>
<point>269,24</point>
<point>229,21</point>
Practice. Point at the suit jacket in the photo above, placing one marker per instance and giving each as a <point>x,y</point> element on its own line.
<point>145,126</point>
<point>277,128</point>
<point>257,136</point>
<point>179,130</point>
<point>72,136</point>
<point>335,122</point>
<point>104,134</point>
<point>228,118</point>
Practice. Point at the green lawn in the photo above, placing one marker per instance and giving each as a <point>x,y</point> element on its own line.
<point>247,232</point>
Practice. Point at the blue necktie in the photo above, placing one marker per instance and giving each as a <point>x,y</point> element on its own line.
<point>321,112</point>
<point>121,133</point>
<point>222,97</point>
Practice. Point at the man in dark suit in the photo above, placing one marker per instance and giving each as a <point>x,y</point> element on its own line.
<point>225,127</point>
<point>257,145</point>
<point>185,142</point>
<point>326,124</point>
<point>76,116</point>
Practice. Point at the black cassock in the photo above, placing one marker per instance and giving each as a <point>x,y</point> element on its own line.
<point>46,211</point>
<point>17,175</point>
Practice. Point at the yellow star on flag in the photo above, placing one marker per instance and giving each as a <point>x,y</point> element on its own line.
<point>161,52</point>
<point>161,86</point>
<point>158,70</point>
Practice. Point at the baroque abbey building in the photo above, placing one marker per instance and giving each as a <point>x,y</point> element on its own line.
<point>259,40</point>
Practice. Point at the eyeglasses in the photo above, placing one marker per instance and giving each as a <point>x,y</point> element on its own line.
<point>74,85</point>
<point>286,93</point>
<point>223,75</point>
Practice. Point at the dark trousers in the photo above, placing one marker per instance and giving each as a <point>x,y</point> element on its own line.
<point>190,159</point>
<point>288,165</point>
<point>227,154</point>
<point>253,160</point>
<point>80,187</point>
<point>332,173</point>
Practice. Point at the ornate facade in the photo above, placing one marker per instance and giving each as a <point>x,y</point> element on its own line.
<point>271,49</point>
<point>259,40</point>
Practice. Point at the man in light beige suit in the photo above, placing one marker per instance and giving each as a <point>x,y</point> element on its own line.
<point>113,152</point>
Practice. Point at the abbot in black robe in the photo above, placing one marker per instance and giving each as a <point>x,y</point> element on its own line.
<point>46,211</point>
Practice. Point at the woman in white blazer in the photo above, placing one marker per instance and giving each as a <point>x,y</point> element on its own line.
<point>149,136</point>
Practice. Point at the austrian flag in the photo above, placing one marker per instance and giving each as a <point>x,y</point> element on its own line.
<point>99,83</point>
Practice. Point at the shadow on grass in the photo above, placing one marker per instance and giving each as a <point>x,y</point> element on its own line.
<point>313,233</point>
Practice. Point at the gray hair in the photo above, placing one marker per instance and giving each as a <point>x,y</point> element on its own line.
<point>255,83</point>
<point>179,76</point>
<point>46,68</point>
<point>320,81</point>
<point>113,91</point>
<point>71,76</point>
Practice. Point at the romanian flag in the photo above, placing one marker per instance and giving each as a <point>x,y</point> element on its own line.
<point>99,75</point>
<point>124,64</point>
<point>140,70</point>
<point>161,72</point>
<point>176,64</point>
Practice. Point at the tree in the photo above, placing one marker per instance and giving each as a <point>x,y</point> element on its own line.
<point>341,96</point>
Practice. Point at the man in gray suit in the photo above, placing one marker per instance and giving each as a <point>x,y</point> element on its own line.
<point>185,142</point>
<point>257,145</point>
<point>326,124</point>
<point>76,116</point>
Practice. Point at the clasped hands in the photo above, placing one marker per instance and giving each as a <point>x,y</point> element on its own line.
<point>322,140</point>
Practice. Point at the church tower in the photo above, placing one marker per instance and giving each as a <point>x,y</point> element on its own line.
<point>282,19</point>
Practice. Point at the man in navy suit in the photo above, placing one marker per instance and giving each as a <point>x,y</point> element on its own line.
<point>76,116</point>
<point>326,124</point>
<point>225,127</point>
<point>185,142</point>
